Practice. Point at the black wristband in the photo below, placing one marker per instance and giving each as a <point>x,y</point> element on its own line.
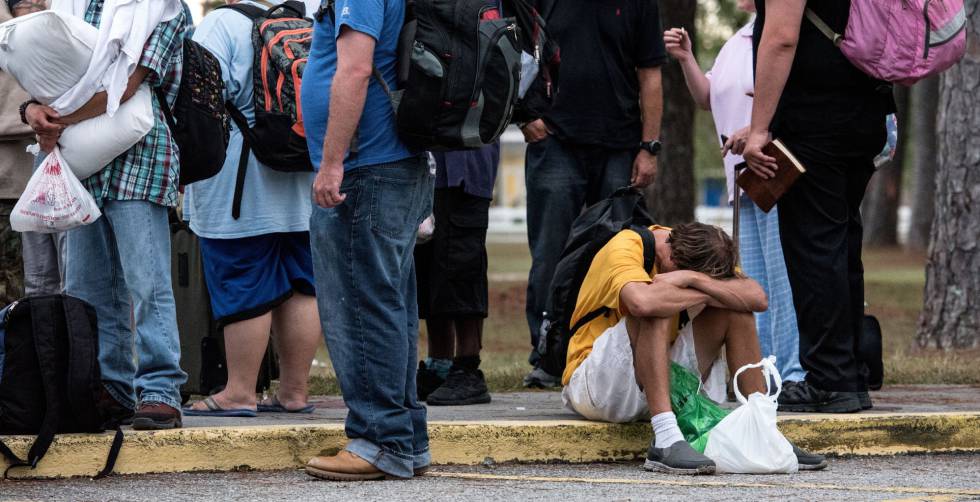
<point>23,109</point>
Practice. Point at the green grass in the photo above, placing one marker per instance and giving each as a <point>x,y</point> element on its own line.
<point>894,283</point>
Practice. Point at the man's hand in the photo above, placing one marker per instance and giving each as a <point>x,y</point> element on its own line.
<point>760,163</point>
<point>677,278</point>
<point>326,186</point>
<point>43,119</point>
<point>47,142</point>
<point>678,44</point>
<point>644,169</point>
<point>535,131</point>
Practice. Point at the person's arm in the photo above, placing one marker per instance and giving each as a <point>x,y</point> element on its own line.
<point>658,298</point>
<point>679,47</point>
<point>25,7</point>
<point>355,58</point>
<point>740,294</point>
<point>652,108</point>
<point>97,105</point>
<point>777,49</point>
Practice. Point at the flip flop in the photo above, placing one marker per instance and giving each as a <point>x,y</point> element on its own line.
<point>215,410</point>
<point>276,407</point>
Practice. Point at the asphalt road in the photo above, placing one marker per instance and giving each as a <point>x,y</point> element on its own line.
<point>932,477</point>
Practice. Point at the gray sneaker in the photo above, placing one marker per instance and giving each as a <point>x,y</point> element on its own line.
<point>809,461</point>
<point>678,458</point>
<point>541,379</point>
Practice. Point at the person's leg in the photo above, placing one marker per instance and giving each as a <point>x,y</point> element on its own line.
<point>441,338</point>
<point>556,190</point>
<point>245,347</point>
<point>94,275</point>
<point>610,170</point>
<point>296,325</point>
<point>469,336</point>
<point>714,328</point>
<point>42,267</point>
<point>142,232</point>
<point>364,266</point>
<point>751,251</point>
<point>813,226</point>
<point>859,175</point>
<point>784,332</point>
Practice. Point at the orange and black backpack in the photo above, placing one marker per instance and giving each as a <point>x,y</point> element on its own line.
<point>281,38</point>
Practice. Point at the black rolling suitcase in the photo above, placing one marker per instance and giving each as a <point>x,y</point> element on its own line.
<point>202,348</point>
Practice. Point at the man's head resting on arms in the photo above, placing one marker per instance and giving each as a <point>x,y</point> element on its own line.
<point>700,248</point>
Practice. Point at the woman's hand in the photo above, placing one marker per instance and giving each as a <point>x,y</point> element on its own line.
<point>736,143</point>
<point>678,44</point>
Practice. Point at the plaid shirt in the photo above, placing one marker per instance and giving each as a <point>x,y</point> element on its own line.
<point>147,171</point>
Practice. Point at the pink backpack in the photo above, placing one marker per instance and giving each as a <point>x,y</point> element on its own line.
<point>901,41</point>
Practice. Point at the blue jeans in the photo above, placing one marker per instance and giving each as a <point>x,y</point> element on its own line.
<point>121,264</point>
<point>561,180</point>
<point>762,259</point>
<point>364,267</point>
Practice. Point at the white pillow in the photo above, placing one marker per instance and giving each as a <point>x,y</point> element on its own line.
<point>46,52</point>
<point>92,144</point>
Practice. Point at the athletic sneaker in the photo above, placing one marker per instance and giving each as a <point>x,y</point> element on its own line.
<point>426,381</point>
<point>541,379</point>
<point>801,396</point>
<point>678,458</point>
<point>462,387</point>
<point>809,461</point>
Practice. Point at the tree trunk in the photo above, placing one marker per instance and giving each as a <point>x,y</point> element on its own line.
<point>880,208</point>
<point>951,315</point>
<point>671,197</point>
<point>925,108</point>
<point>11,266</point>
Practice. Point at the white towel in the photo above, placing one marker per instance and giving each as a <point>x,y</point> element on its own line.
<point>126,26</point>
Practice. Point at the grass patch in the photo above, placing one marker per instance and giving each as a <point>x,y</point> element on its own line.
<point>894,283</point>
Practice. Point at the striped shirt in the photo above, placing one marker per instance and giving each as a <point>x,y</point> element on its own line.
<point>147,171</point>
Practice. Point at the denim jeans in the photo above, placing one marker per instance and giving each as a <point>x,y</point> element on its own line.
<point>561,180</point>
<point>121,264</point>
<point>365,275</point>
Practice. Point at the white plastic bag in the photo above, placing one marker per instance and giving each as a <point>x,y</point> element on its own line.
<point>747,441</point>
<point>92,144</point>
<point>46,52</point>
<point>54,200</point>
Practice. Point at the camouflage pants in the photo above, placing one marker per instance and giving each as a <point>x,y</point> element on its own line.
<point>11,261</point>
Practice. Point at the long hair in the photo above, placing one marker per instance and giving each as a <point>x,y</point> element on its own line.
<point>704,248</point>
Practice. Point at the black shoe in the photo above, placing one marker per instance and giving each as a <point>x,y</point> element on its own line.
<point>461,387</point>
<point>113,412</point>
<point>865,399</point>
<point>541,379</point>
<point>809,461</point>
<point>801,396</point>
<point>678,458</point>
<point>426,381</point>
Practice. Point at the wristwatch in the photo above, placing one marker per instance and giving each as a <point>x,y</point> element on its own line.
<point>23,109</point>
<point>653,146</point>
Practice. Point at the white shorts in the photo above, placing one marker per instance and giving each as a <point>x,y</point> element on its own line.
<point>604,387</point>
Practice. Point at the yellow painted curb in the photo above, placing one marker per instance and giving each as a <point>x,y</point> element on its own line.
<point>285,447</point>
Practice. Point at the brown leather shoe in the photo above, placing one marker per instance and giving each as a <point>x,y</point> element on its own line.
<point>156,416</point>
<point>344,466</point>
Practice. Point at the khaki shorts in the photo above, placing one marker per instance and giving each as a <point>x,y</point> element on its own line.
<point>604,387</point>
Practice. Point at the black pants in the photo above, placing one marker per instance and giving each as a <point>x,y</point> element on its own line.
<point>821,231</point>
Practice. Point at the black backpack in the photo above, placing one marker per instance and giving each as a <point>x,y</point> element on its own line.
<point>50,382</point>
<point>599,223</point>
<point>198,121</point>
<point>281,40</point>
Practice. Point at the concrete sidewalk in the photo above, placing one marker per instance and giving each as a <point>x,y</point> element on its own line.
<point>521,427</point>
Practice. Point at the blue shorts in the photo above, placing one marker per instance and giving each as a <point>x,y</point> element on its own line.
<point>249,277</point>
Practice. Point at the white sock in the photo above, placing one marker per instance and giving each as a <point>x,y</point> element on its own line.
<point>665,429</point>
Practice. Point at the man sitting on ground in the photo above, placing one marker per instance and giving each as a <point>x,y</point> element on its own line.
<point>618,365</point>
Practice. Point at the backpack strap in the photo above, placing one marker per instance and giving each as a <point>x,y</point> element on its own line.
<point>167,112</point>
<point>242,123</point>
<point>250,11</point>
<point>110,461</point>
<point>83,361</point>
<point>824,28</point>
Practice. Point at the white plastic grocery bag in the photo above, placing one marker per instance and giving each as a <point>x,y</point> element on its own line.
<point>54,200</point>
<point>747,441</point>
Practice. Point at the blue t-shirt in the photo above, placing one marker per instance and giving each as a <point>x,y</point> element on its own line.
<point>377,138</point>
<point>272,201</point>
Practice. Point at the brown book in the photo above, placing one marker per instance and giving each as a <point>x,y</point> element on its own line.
<point>765,192</point>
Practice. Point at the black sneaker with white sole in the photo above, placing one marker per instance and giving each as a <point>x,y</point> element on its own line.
<point>462,387</point>
<point>541,379</point>
<point>678,458</point>
<point>803,397</point>
<point>809,461</point>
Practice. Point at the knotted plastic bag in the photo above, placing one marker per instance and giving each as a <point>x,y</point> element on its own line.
<point>54,200</point>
